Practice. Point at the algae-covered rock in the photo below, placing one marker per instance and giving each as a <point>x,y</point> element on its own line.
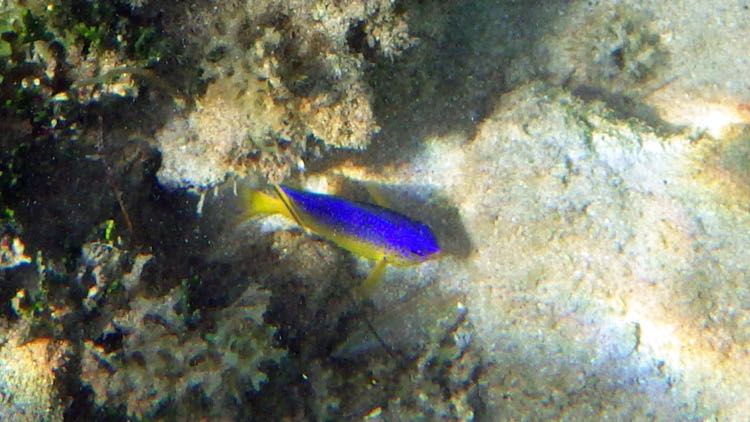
<point>237,127</point>
<point>29,384</point>
<point>279,74</point>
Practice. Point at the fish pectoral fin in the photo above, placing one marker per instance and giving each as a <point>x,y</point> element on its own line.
<point>372,281</point>
<point>290,210</point>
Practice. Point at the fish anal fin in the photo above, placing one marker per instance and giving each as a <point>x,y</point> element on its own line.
<point>373,280</point>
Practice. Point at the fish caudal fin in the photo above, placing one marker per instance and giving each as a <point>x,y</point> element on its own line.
<point>256,203</point>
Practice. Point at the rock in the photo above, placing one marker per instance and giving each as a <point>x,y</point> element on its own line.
<point>28,378</point>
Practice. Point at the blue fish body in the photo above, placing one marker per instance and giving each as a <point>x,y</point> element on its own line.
<point>364,229</point>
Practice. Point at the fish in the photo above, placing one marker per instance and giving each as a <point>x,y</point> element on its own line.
<point>366,230</point>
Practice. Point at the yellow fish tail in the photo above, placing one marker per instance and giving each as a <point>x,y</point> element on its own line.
<point>257,203</point>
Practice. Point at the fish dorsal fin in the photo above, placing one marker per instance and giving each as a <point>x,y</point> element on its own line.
<point>377,197</point>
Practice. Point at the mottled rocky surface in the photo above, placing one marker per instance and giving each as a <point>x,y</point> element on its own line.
<point>29,371</point>
<point>595,262</point>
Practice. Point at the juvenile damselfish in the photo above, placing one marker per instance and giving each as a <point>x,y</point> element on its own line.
<point>366,230</point>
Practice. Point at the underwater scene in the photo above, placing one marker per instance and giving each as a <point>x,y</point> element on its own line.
<point>374,210</point>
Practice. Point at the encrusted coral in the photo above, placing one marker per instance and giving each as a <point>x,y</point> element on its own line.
<point>162,366</point>
<point>235,127</point>
<point>279,73</point>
